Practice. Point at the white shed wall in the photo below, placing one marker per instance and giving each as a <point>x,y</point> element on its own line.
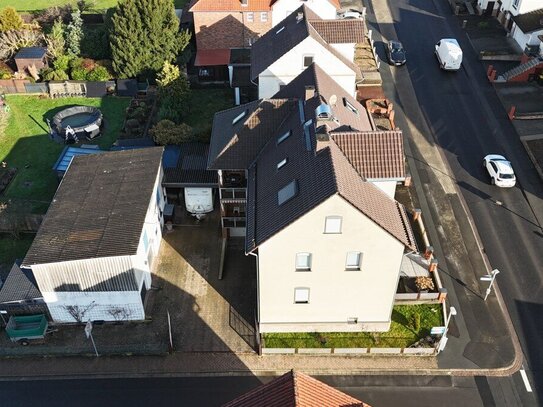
<point>335,294</point>
<point>388,187</point>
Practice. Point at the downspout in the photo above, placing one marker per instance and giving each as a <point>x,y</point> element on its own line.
<point>257,303</point>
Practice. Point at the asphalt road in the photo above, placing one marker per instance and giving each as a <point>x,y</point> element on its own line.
<point>467,121</point>
<point>377,391</point>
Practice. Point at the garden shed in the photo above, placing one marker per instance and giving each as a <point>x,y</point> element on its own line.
<point>20,294</point>
<point>29,56</point>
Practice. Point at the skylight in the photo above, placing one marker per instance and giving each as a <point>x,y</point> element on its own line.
<point>282,163</point>
<point>279,30</point>
<point>288,192</point>
<point>239,117</point>
<point>284,137</point>
<point>349,106</point>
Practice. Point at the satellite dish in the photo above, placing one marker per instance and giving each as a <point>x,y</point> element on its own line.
<point>333,100</point>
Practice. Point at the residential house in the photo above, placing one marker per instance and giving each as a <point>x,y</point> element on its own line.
<point>328,242</point>
<point>302,38</point>
<point>222,26</point>
<point>295,389</point>
<point>93,253</point>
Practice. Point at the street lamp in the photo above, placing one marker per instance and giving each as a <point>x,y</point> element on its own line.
<point>444,339</point>
<point>490,277</point>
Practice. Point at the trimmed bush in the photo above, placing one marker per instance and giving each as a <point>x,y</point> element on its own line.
<point>10,19</point>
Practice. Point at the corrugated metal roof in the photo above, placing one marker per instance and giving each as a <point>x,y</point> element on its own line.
<point>18,287</point>
<point>31,53</point>
<point>295,389</point>
<point>99,274</point>
<point>69,152</point>
<point>186,165</point>
<point>99,207</point>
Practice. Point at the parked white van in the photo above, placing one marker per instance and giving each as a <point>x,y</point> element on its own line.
<point>449,54</point>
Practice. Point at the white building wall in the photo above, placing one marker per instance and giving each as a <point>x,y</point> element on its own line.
<point>335,294</point>
<point>525,39</point>
<point>99,306</point>
<point>282,8</point>
<point>388,187</point>
<point>290,65</point>
<point>347,50</point>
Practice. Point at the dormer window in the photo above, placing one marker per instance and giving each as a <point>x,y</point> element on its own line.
<point>239,117</point>
<point>350,106</point>
<point>308,60</point>
<point>284,137</point>
<point>244,3</point>
<point>288,192</point>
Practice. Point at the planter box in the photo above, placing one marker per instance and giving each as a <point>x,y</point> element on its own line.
<point>419,351</point>
<point>273,351</point>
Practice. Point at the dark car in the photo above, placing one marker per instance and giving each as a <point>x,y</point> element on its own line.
<point>396,53</point>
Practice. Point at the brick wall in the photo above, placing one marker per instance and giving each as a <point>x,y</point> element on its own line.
<point>218,30</point>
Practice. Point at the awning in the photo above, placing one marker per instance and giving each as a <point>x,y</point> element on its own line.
<point>212,57</point>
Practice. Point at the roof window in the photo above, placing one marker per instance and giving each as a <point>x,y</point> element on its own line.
<point>284,137</point>
<point>288,192</point>
<point>350,106</point>
<point>279,30</point>
<point>282,163</point>
<point>239,117</point>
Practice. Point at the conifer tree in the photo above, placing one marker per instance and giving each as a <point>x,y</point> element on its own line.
<point>10,19</point>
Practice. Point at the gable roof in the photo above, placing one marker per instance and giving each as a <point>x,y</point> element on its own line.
<point>99,208</point>
<point>235,145</point>
<point>19,286</point>
<point>235,5</point>
<point>529,22</point>
<point>288,34</point>
<point>375,154</point>
<point>326,90</point>
<point>345,31</point>
<point>295,389</point>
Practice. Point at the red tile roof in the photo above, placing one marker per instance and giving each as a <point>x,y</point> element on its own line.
<point>231,5</point>
<point>340,31</point>
<point>212,57</point>
<point>295,389</point>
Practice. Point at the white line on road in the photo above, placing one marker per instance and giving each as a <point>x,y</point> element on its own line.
<point>525,380</point>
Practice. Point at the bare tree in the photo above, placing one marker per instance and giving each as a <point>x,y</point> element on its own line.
<point>77,312</point>
<point>119,313</point>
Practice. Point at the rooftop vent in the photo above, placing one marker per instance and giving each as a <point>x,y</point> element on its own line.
<point>299,16</point>
<point>323,112</point>
<point>333,100</point>
<point>244,3</point>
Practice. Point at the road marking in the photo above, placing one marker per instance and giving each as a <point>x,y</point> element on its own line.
<point>525,380</point>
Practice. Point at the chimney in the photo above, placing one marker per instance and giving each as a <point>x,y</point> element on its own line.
<point>299,16</point>
<point>244,3</point>
<point>309,92</point>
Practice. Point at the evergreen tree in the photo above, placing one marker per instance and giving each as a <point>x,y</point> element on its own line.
<point>55,40</point>
<point>10,20</point>
<point>144,34</point>
<point>74,33</point>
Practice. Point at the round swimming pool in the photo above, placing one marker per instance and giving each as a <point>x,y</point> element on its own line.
<point>78,120</point>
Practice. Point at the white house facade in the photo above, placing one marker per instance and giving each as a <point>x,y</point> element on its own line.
<point>329,281</point>
<point>325,9</point>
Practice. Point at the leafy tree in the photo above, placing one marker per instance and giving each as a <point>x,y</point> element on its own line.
<point>62,63</point>
<point>74,33</point>
<point>13,40</point>
<point>167,75</point>
<point>174,93</point>
<point>51,74</point>
<point>10,19</point>
<point>55,40</point>
<point>143,35</point>
<point>167,132</point>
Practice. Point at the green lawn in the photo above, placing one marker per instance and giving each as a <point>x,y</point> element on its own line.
<point>26,145</point>
<point>12,249</point>
<point>402,332</point>
<point>35,5</point>
<point>204,104</point>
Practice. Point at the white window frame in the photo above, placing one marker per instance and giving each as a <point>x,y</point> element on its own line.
<point>351,265</point>
<point>303,266</point>
<point>250,17</point>
<point>301,295</point>
<point>240,116</point>
<point>264,16</point>
<point>307,56</point>
<point>283,137</point>
<point>515,4</point>
<point>329,227</point>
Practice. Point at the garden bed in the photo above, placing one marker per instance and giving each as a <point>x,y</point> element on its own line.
<point>404,332</point>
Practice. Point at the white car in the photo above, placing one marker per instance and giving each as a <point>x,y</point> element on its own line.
<point>500,171</point>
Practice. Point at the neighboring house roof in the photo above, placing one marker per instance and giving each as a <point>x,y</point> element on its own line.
<point>327,90</point>
<point>288,34</point>
<point>240,133</point>
<point>186,165</point>
<point>320,170</point>
<point>295,389</point>
<point>99,208</point>
<point>375,155</point>
<point>212,57</point>
<point>235,5</point>
<point>529,22</point>
<point>19,286</point>
<point>347,31</point>
<point>31,53</point>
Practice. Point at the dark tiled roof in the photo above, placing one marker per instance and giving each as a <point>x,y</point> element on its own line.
<point>340,31</point>
<point>274,44</point>
<point>19,287</point>
<point>295,389</point>
<point>31,53</point>
<point>375,155</point>
<point>99,208</point>
<point>327,89</point>
<point>190,166</point>
<point>529,22</point>
<point>235,146</point>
